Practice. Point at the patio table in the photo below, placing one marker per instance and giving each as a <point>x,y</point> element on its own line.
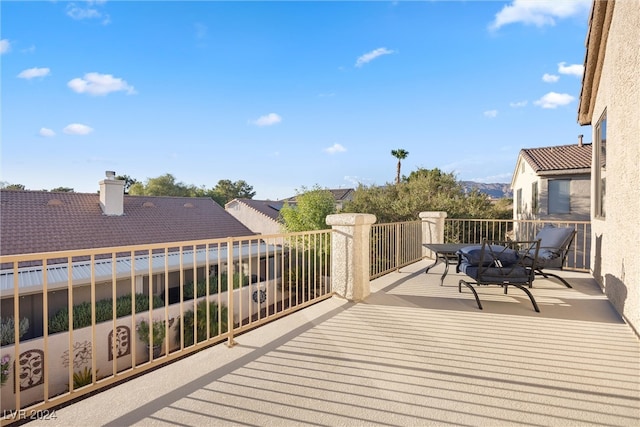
<point>446,253</point>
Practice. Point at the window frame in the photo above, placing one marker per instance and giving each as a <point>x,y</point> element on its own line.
<point>600,166</point>
<point>559,203</point>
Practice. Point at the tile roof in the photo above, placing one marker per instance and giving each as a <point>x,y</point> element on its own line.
<point>558,158</point>
<point>40,221</point>
<point>269,208</point>
<point>338,194</point>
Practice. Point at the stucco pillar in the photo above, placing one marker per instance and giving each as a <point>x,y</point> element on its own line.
<point>432,230</point>
<point>350,252</point>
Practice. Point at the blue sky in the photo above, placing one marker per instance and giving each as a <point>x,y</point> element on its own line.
<point>284,94</point>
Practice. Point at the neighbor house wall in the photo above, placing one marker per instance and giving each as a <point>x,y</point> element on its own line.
<point>616,265</point>
<point>525,176</point>
<point>579,194</point>
<point>252,219</point>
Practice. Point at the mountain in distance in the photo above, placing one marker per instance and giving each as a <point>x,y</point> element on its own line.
<point>495,190</point>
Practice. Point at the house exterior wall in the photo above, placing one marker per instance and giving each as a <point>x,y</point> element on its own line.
<point>252,219</point>
<point>579,194</point>
<point>525,176</point>
<point>616,265</point>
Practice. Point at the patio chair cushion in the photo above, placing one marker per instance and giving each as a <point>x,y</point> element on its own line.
<point>553,239</point>
<point>514,274</point>
<point>472,254</point>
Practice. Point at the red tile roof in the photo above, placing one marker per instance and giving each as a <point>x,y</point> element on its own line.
<point>558,158</point>
<point>40,221</point>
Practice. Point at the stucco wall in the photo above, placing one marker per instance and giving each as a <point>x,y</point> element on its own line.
<point>524,177</point>
<point>253,220</point>
<point>617,237</point>
<point>579,193</point>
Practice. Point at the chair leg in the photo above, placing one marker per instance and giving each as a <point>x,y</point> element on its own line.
<point>526,291</point>
<point>468,285</point>
<point>546,276</point>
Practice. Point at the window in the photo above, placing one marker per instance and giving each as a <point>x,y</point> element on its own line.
<point>519,201</point>
<point>559,200</point>
<point>534,198</point>
<point>600,165</point>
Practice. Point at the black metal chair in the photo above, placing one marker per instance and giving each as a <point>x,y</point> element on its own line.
<point>502,263</point>
<point>554,247</point>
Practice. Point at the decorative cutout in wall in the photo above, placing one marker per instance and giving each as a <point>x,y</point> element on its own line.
<point>122,342</point>
<point>31,368</point>
<point>81,355</point>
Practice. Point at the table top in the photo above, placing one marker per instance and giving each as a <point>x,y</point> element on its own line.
<point>447,248</point>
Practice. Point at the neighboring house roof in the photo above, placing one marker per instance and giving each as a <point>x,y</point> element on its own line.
<point>339,194</point>
<point>562,158</point>
<point>40,221</point>
<point>269,208</point>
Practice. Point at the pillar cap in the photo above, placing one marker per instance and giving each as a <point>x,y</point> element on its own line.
<point>350,219</point>
<point>437,214</point>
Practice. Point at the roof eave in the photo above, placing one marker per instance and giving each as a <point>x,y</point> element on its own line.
<point>599,22</point>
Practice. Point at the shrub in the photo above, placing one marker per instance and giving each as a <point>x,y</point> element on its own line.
<point>159,332</point>
<point>59,322</point>
<point>83,378</point>
<point>7,329</point>
<point>216,326</point>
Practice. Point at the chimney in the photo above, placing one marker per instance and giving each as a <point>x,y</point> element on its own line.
<point>112,195</point>
<point>580,140</point>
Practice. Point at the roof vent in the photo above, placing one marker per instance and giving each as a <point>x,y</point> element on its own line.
<point>55,202</point>
<point>580,144</point>
<point>148,205</point>
<point>188,205</point>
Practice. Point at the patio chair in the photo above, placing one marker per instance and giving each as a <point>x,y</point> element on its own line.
<point>554,247</point>
<point>501,263</point>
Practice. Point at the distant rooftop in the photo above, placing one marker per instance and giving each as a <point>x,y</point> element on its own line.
<point>269,208</point>
<point>558,158</point>
<point>40,221</point>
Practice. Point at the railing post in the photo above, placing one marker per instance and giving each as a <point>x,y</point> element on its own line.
<point>432,230</point>
<point>350,254</point>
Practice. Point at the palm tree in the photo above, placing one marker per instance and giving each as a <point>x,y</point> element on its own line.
<point>399,154</point>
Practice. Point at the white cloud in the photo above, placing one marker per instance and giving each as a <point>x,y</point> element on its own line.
<point>550,78</point>
<point>88,11</point>
<point>46,132</point>
<point>268,120</point>
<point>100,84</point>
<point>490,113</point>
<point>335,148</point>
<point>573,69</point>
<point>77,129</point>
<point>31,73</point>
<point>539,12</point>
<point>518,104</point>
<point>554,100</point>
<point>5,46</point>
<point>201,30</point>
<point>368,57</point>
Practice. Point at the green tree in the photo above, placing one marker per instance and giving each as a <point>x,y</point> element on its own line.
<point>164,185</point>
<point>128,182</point>
<point>7,186</point>
<point>226,190</point>
<point>399,154</point>
<point>423,190</point>
<point>310,210</point>
<point>62,190</point>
